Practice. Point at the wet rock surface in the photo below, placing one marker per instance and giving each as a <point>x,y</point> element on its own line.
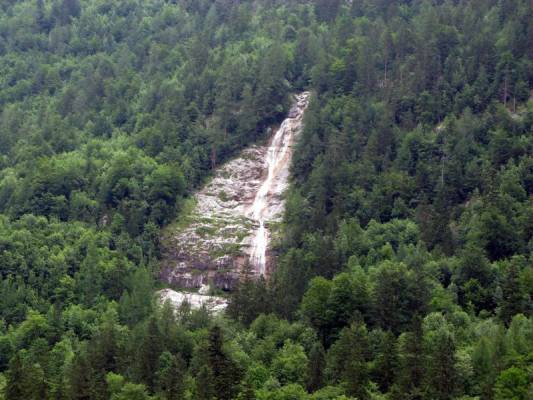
<point>212,304</point>
<point>228,229</point>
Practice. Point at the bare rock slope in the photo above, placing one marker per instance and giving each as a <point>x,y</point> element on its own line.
<point>229,227</point>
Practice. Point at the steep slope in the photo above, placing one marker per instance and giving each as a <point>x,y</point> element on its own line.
<point>235,214</point>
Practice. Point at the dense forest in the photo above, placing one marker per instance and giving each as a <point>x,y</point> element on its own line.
<point>405,268</point>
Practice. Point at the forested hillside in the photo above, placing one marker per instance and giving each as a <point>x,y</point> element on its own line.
<point>405,270</point>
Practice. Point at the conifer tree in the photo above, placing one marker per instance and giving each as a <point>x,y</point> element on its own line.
<point>441,373</point>
<point>204,384</point>
<point>348,361</point>
<point>385,365</point>
<point>512,296</point>
<point>411,357</point>
<point>317,364</point>
<point>226,374</point>
<point>149,351</point>
<point>170,376</point>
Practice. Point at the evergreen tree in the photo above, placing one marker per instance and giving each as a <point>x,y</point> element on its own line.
<point>226,374</point>
<point>385,365</point>
<point>247,392</point>
<point>149,351</point>
<point>170,376</point>
<point>80,377</point>
<point>317,365</point>
<point>411,370</point>
<point>16,384</point>
<point>441,372</point>
<point>347,361</point>
<point>205,387</point>
<point>512,302</point>
<point>391,297</point>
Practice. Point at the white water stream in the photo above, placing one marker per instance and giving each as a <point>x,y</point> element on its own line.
<point>277,162</point>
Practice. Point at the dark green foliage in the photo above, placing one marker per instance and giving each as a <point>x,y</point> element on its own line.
<point>441,371</point>
<point>79,377</point>
<point>226,374</point>
<point>348,361</point>
<point>204,389</point>
<point>250,299</point>
<point>391,294</point>
<point>512,384</point>
<point>385,366</point>
<point>512,294</point>
<point>411,365</point>
<point>24,381</point>
<point>170,376</point>
<point>404,266</point>
<point>149,352</point>
<point>317,364</point>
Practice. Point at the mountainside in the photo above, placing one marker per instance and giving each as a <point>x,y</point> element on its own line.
<point>377,246</point>
<point>229,230</point>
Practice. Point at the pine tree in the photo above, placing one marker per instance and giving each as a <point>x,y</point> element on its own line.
<point>250,298</point>
<point>204,384</point>
<point>271,92</point>
<point>149,351</point>
<point>411,357</point>
<point>226,374</point>
<point>326,10</point>
<point>348,361</point>
<point>441,373</point>
<point>317,364</point>
<point>386,362</point>
<point>80,377</point>
<point>69,9</point>
<point>248,119</point>
<point>247,392</point>
<point>16,385</point>
<point>170,377</point>
<point>512,299</point>
<point>40,16</point>
<point>391,297</point>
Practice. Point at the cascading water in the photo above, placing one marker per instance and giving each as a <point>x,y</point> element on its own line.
<point>218,239</point>
<point>277,161</point>
<point>231,223</point>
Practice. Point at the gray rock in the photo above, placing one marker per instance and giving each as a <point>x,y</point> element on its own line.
<point>220,239</point>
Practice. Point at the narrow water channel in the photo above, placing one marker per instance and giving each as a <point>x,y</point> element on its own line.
<point>277,160</point>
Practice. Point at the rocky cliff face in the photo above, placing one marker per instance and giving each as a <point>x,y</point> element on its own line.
<point>230,227</point>
<point>195,301</point>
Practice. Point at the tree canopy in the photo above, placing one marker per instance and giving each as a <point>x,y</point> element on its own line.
<point>404,270</point>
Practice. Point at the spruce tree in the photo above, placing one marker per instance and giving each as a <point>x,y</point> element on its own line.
<point>317,364</point>
<point>441,372</point>
<point>386,362</point>
<point>412,364</point>
<point>149,351</point>
<point>512,299</point>
<point>170,377</point>
<point>348,361</point>
<point>204,384</point>
<point>226,374</point>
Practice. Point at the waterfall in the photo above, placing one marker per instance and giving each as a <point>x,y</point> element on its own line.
<point>277,162</point>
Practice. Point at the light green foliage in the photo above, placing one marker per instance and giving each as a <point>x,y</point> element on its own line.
<point>290,364</point>
<point>131,391</point>
<point>512,384</point>
<point>315,303</point>
<point>288,392</point>
<point>348,361</point>
<point>403,264</point>
<point>329,393</point>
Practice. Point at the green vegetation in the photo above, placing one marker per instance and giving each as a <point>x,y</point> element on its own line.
<point>223,196</point>
<point>405,261</point>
